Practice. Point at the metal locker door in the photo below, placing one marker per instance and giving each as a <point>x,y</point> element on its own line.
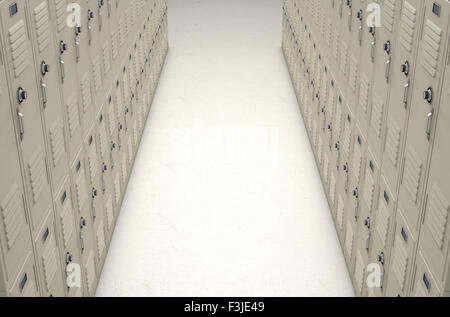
<point>424,107</point>
<point>67,219</point>
<point>25,284</point>
<point>14,232</point>
<point>383,226</point>
<point>434,234</point>
<point>67,71</point>
<point>85,224</point>
<point>400,266</point>
<point>97,217</point>
<point>46,64</point>
<point>104,153</point>
<point>26,109</point>
<point>49,261</point>
<point>401,84</point>
<point>425,283</point>
<point>382,80</point>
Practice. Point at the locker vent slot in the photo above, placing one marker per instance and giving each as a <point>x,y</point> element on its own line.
<point>86,97</point>
<point>57,141</point>
<point>357,163</point>
<point>130,150</point>
<point>329,33</point>
<point>117,190</point>
<point>320,150</point>
<point>432,38</point>
<point>347,140</point>
<point>344,56</point>
<point>349,237</point>
<point>41,20</point>
<point>377,115</point>
<point>332,189</point>
<point>382,225</point>
<point>106,59</point>
<point>124,168</point>
<point>12,215</point>
<point>90,273</point>
<point>122,31</point>
<point>364,93</point>
<point>359,272</point>
<point>61,14</point>
<point>97,73</point>
<point>400,263</point>
<point>67,223</point>
<point>393,142</point>
<point>408,24</point>
<point>437,216</point>
<point>353,73</point>
<point>81,190</point>
<point>326,166</point>
<point>100,240</point>
<point>115,43</point>
<point>112,121</point>
<point>388,15</point>
<point>103,140</point>
<point>338,121</point>
<point>72,115</point>
<point>128,22</point>
<point>92,163</point>
<point>19,47</point>
<point>37,173</point>
<point>109,212</point>
<point>50,263</point>
<point>135,133</point>
<point>369,190</point>
<point>413,172</point>
<point>340,213</point>
<point>335,48</point>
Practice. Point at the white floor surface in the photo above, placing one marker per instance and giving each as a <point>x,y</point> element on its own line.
<point>225,197</point>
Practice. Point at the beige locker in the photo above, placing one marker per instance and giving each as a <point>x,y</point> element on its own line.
<point>434,236</point>
<point>402,259</point>
<point>424,107</point>
<point>48,259</point>
<point>14,231</point>
<point>45,63</point>
<point>424,283</point>
<point>67,218</point>
<point>383,226</point>
<point>26,282</point>
<point>26,108</point>
<point>65,51</point>
<point>402,85</point>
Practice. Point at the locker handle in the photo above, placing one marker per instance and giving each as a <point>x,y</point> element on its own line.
<point>44,94</point>
<point>82,242</point>
<point>405,94</point>
<point>429,119</point>
<point>21,124</point>
<point>387,70</point>
<point>372,50</point>
<point>90,34</point>
<point>77,46</point>
<point>63,70</point>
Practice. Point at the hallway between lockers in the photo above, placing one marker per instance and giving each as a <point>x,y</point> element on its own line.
<point>225,197</point>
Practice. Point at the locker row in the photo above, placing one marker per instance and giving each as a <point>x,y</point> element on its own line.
<point>372,79</point>
<point>77,80</point>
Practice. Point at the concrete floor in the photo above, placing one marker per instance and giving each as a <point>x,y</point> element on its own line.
<point>225,198</point>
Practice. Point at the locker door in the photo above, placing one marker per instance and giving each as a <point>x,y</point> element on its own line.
<point>97,217</point>
<point>400,266</point>
<point>85,223</point>
<point>68,242</point>
<point>104,152</point>
<point>424,107</point>
<point>26,108</point>
<point>384,58</point>
<point>49,262</point>
<point>46,63</point>
<point>14,230</point>
<point>64,39</point>
<point>25,284</point>
<point>402,85</point>
<point>434,236</point>
<point>425,284</point>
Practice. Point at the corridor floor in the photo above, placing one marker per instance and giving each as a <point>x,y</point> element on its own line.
<point>225,198</point>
